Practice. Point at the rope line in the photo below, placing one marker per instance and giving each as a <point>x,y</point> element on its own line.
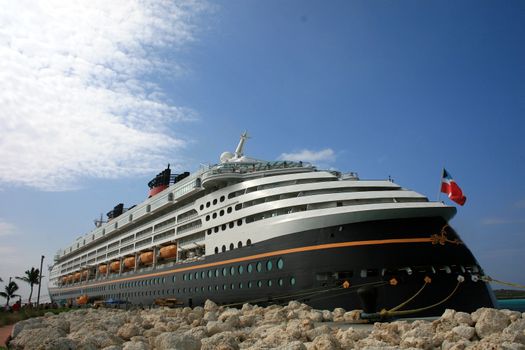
<point>490,279</point>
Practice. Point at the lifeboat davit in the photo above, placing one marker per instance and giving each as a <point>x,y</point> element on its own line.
<point>114,266</point>
<point>129,262</point>
<point>146,257</point>
<point>103,269</point>
<point>168,252</point>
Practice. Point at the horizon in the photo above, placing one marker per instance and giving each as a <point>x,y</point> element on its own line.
<point>98,98</point>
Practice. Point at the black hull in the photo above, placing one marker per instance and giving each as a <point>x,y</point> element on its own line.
<point>315,266</point>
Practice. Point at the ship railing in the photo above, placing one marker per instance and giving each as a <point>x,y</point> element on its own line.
<point>243,168</point>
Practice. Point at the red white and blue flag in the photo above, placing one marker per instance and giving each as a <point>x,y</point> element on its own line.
<point>451,188</point>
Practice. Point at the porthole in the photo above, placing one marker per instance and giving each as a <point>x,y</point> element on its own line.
<point>232,270</point>
<point>224,287</point>
<point>240,285</point>
<point>259,283</point>
<point>216,287</point>
<point>239,222</point>
<point>222,199</point>
<point>209,288</point>
<point>174,278</point>
<point>249,242</point>
<point>215,201</point>
<point>221,213</point>
<point>196,275</point>
<point>216,229</point>
<point>259,266</point>
<point>183,290</point>
<point>190,276</point>
<point>241,269</point>
<point>280,263</point>
<point>148,208</point>
<point>207,218</point>
<point>210,272</point>
<point>280,282</point>
<point>207,204</point>
<point>184,277</point>
<point>216,250</point>
<point>292,281</point>
<point>202,289</point>
<point>250,284</point>
<point>239,244</point>
<point>224,271</point>
<point>201,207</point>
<point>231,246</point>
<point>250,268</point>
<point>214,215</point>
<point>231,225</point>
<point>238,206</point>
<point>190,290</point>
<point>229,210</point>
<point>203,274</point>
<point>269,265</point>
<point>216,272</point>
<point>223,248</point>
<point>223,227</point>
<point>269,283</point>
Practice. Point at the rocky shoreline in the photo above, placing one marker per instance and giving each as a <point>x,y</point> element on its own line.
<point>292,327</point>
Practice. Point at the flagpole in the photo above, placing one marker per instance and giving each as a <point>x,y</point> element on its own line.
<point>440,182</point>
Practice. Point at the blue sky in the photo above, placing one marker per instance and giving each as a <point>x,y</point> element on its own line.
<point>100,98</point>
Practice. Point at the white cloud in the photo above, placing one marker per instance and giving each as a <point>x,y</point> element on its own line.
<point>326,155</point>
<point>76,98</point>
<point>6,228</point>
<point>501,221</point>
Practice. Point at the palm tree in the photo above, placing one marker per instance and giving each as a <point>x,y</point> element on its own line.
<point>9,293</point>
<point>31,277</point>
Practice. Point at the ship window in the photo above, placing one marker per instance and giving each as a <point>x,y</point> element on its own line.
<point>231,246</point>
<point>249,242</point>
<point>183,290</point>
<point>170,197</point>
<point>207,204</point>
<point>232,270</point>
<point>241,269</point>
<point>130,217</point>
<point>239,244</point>
<point>148,208</point>
<point>201,207</point>
<point>250,284</point>
<point>190,276</point>
<point>203,274</point>
<point>222,199</point>
<point>269,265</point>
<point>250,268</point>
<point>269,283</point>
<point>224,287</point>
<point>207,218</point>
<point>258,266</point>
<point>208,231</point>
<point>224,271</point>
<point>223,248</point>
<point>196,275</point>
<point>231,224</point>
<point>280,282</point>
<point>238,206</point>
<point>239,222</point>
<point>216,229</point>
<point>221,213</point>
<point>280,263</point>
<point>215,201</point>
<point>223,227</point>
<point>216,272</point>
<point>232,286</point>
<point>209,288</point>
<point>216,250</point>
<point>240,285</point>
<point>184,277</point>
<point>216,287</point>
<point>210,272</point>
<point>214,215</point>
<point>259,283</point>
<point>292,281</point>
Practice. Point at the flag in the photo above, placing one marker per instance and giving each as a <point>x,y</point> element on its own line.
<point>451,188</point>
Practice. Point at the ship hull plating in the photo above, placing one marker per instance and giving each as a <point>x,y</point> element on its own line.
<point>396,258</point>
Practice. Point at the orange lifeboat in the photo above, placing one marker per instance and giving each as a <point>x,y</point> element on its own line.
<point>103,269</point>
<point>168,252</point>
<point>70,278</point>
<point>146,257</point>
<point>76,278</point>
<point>82,300</point>
<point>129,262</point>
<point>85,274</point>
<point>63,280</point>
<point>114,266</point>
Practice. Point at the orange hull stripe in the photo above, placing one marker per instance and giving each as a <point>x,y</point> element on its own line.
<point>260,256</point>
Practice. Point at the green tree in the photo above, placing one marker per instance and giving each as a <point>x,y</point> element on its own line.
<point>31,278</point>
<point>10,291</point>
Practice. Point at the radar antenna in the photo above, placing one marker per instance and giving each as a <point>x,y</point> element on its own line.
<point>100,221</point>
<point>240,146</point>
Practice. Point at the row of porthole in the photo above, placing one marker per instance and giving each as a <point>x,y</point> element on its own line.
<point>240,285</point>
<point>233,270</point>
<point>222,227</point>
<point>214,202</point>
<point>232,246</point>
<point>221,213</point>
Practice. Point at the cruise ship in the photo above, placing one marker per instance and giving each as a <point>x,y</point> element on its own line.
<point>267,232</point>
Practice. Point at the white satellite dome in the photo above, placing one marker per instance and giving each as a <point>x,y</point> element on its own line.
<point>226,156</point>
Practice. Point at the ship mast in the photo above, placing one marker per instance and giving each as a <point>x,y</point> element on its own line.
<point>240,146</point>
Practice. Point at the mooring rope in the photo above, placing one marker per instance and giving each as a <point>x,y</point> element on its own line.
<point>490,279</point>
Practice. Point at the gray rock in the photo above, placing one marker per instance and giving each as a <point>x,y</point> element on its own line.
<point>489,321</point>
<point>128,330</point>
<point>34,338</point>
<point>327,316</point>
<point>294,345</point>
<point>326,342</point>
<point>316,332</point>
<point>515,332</point>
<point>463,318</point>
<point>135,345</point>
<point>210,306</point>
<point>465,332</point>
<point>316,316</point>
<point>175,340</point>
<point>222,341</point>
